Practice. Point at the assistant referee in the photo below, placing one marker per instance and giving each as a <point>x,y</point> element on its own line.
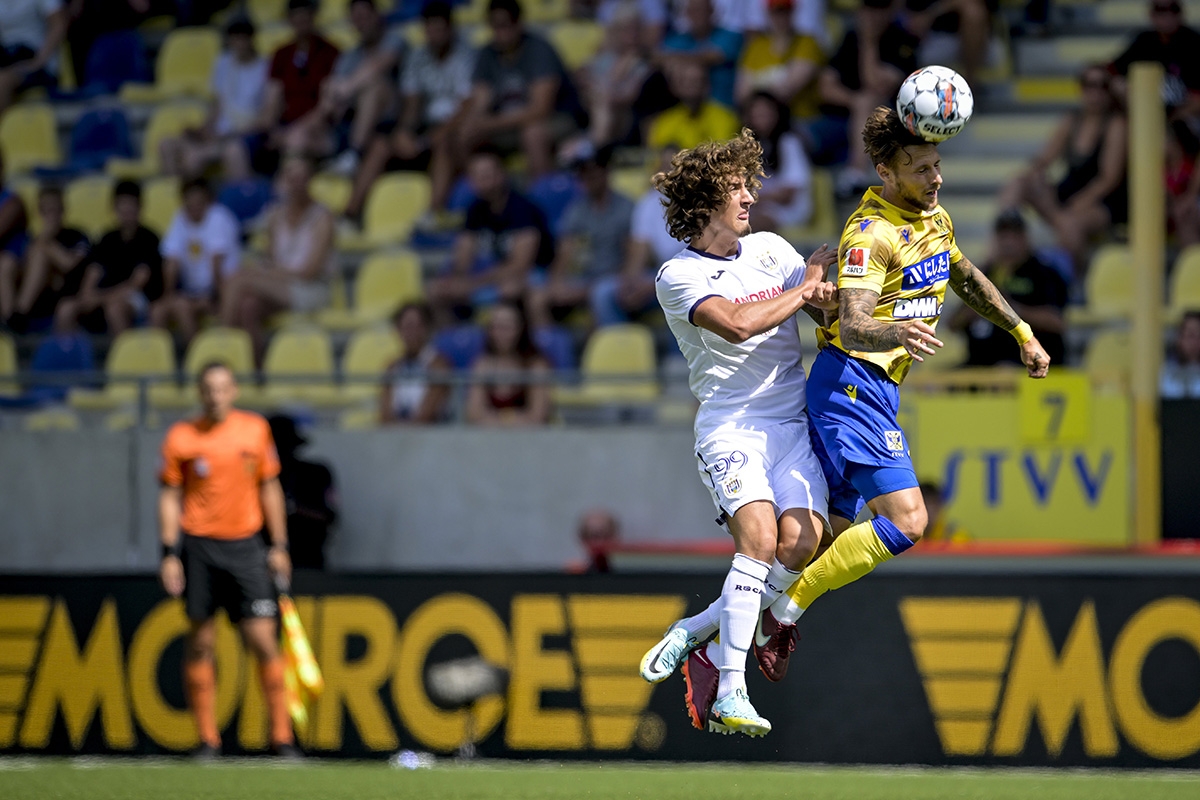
<point>220,481</point>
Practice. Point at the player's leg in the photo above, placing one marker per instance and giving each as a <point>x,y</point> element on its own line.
<point>199,672</point>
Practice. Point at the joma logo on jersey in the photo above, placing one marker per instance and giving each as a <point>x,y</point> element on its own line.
<point>926,273</point>
<point>917,308</point>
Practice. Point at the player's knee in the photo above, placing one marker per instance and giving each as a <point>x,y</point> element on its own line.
<point>912,522</point>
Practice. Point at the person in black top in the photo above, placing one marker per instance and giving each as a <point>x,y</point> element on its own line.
<point>125,274</point>
<point>53,265</point>
<point>1174,45</point>
<point>309,494</point>
<point>1036,291</point>
<point>505,237</point>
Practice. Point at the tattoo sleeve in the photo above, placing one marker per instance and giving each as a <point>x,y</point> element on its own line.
<point>982,295</point>
<point>859,329</point>
<point>819,315</point>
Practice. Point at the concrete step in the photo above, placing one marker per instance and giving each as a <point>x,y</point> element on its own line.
<point>1003,134</point>
<point>1066,55</point>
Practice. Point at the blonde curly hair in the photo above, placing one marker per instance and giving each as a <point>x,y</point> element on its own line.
<point>698,182</point>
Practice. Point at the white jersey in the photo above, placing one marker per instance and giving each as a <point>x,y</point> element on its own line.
<point>759,382</point>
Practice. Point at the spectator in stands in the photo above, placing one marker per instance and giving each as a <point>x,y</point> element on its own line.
<point>590,251</point>
<point>309,495</point>
<point>599,533</point>
<point>939,527</point>
<point>521,96</point>
<point>612,81</point>
<point>357,95</point>
<point>1183,183</point>
<point>785,199</point>
<point>411,393</point>
<point>298,71</point>
<point>14,239</point>
<point>696,118</point>
<point>1174,45</point>
<point>235,123</point>
<point>1092,196</point>
<point>509,379</point>
<point>715,49</point>
<point>31,32</point>
<point>294,274</point>
<point>201,250</point>
<point>783,62</point>
<point>434,83</point>
<point>1181,372</point>
<point>650,245</point>
<point>504,238</point>
<point>125,274</point>
<point>652,15</point>
<point>52,268</point>
<point>1035,290</point>
<point>967,22</point>
<point>856,80</point>
<point>807,17</point>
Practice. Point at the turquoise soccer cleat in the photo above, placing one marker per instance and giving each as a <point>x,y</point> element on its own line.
<point>662,659</point>
<point>734,714</point>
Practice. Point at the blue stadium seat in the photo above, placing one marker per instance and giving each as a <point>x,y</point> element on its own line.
<point>59,353</point>
<point>246,198</point>
<point>100,134</point>
<point>460,344</point>
<point>552,194</point>
<point>116,59</point>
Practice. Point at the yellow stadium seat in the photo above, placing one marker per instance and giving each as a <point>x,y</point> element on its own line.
<point>330,190</point>
<point>472,12</point>
<point>160,201</point>
<point>263,12</point>
<point>29,138</point>
<point>270,38</point>
<point>342,35</point>
<point>27,188</point>
<point>54,418</point>
<point>1107,289</point>
<point>359,419</point>
<point>368,355</point>
<point>333,11</point>
<point>1108,357</point>
<point>577,41</point>
<point>88,203</point>
<point>1184,294</point>
<point>167,121</point>
<point>184,67</point>
<point>396,202</point>
<point>230,346</point>
<point>952,355</point>
<point>824,224</point>
<point>618,365</point>
<point>385,281</point>
<point>540,11</point>
<point>8,367</point>
<point>633,182</point>
<point>298,368</point>
<point>136,353</point>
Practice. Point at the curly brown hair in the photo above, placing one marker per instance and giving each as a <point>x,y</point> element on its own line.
<point>885,137</point>
<point>698,182</point>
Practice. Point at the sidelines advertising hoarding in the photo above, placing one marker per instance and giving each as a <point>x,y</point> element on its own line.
<point>1053,669</point>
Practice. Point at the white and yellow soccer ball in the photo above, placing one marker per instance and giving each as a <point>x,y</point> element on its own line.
<point>935,103</point>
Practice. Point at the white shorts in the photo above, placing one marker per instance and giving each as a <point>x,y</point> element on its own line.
<point>740,466</point>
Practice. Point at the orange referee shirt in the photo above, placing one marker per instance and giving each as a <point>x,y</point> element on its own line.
<point>220,467</point>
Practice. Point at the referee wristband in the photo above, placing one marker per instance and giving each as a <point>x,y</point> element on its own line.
<point>1022,333</point>
<point>171,550</point>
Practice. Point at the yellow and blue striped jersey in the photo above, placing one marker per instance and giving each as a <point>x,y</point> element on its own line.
<point>905,256</point>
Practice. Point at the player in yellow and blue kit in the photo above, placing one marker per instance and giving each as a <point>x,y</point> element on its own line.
<point>896,257</point>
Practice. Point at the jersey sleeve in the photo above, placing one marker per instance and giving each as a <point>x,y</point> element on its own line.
<point>171,469</point>
<point>681,288</point>
<point>863,256</point>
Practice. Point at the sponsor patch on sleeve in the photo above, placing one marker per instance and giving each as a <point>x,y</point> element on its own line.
<point>855,265</point>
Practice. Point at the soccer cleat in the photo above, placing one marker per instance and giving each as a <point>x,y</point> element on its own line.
<point>662,659</point>
<point>287,751</point>
<point>206,752</point>
<point>700,677</point>
<point>773,644</point>
<point>734,714</point>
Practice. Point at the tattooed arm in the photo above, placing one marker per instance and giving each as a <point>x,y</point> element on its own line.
<point>982,295</point>
<point>819,315</point>
<point>862,332</point>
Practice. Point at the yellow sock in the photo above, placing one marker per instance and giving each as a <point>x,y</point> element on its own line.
<point>853,554</point>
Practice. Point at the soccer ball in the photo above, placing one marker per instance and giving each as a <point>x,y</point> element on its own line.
<point>934,103</point>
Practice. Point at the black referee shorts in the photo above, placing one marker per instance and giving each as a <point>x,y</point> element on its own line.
<point>227,573</point>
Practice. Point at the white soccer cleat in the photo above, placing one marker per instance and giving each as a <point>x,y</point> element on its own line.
<point>662,659</point>
<point>733,713</point>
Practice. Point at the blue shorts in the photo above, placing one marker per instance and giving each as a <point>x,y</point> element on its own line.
<point>852,409</point>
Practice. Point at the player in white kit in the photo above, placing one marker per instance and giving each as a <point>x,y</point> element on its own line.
<point>730,298</point>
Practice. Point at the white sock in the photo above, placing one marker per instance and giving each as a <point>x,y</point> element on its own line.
<point>778,581</point>
<point>705,624</point>
<point>708,621</point>
<point>739,615</point>
<point>786,610</point>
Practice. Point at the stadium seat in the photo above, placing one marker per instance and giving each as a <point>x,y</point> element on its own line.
<point>342,35</point>
<point>471,12</point>
<point>330,190</point>
<point>270,38</point>
<point>633,182</point>
<point>230,346</point>
<point>333,11</point>
<point>823,225</point>
<point>184,67</point>
<point>367,358</point>
<point>136,353</point>
<point>1184,293</point>
<point>542,11</point>
<point>27,188</point>
<point>246,198</point>
<point>577,41</point>
<point>951,356</point>
<point>263,12</point>
<point>359,419</point>
<point>100,134</point>
<point>385,281</point>
<point>167,121</point>
<point>1107,288</point>
<point>160,201</point>
<point>54,418</point>
<point>29,138</point>
<point>1108,357</point>
<point>115,59</point>
<point>619,366</point>
<point>8,367</point>
<point>395,203</point>
<point>304,353</point>
<point>88,203</point>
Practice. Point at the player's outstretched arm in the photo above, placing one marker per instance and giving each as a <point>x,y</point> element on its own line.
<point>862,332</point>
<point>969,283</point>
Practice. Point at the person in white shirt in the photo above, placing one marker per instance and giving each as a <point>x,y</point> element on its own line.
<point>785,199</point>
<point>236,118</point>
<point>31,33</point>
<point>731,299</point>
<point>201,249</point>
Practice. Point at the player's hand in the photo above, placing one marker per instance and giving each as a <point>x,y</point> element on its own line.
<point>817,264</point>
<point>171,575</point>
<point>280,563</point>
<point>1034,357</point>
<point>824,296</point>
<point>918,337</point>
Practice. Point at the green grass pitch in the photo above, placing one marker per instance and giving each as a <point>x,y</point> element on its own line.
<point>128,779</point>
